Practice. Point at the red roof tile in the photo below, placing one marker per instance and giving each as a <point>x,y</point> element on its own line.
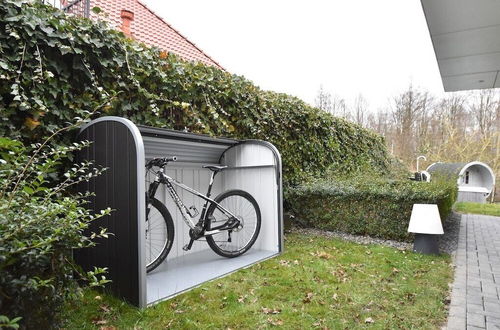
<point>151,29</point>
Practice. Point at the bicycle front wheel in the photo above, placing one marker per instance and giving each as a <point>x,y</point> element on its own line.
<point>232,243</point>
<point>159,234</point>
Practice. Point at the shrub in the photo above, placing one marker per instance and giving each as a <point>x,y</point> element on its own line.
<point>53,66</point>
<point>39,227</point>
<point>362,205</point>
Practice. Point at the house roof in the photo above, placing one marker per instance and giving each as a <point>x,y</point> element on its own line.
<point>149,28</point>
<point>465,38</point>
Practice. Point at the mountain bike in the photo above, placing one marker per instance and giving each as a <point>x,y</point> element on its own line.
<point>230,223</point>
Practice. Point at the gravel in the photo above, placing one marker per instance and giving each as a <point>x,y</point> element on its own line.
<point>365,240</point>
<point>447,243</point>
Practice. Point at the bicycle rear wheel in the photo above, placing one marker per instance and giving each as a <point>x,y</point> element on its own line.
<point>159,234</point>
<point>234,242</point>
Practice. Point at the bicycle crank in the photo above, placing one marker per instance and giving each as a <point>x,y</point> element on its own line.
<point>194,234</point>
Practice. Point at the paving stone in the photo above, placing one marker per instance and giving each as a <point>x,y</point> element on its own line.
<point>477,274</point>
<point>493,320</point>
<point>473,284</point>
<point>456,323</point>
<point>492,307</point>
<point>458,294</point>
<point>489,289</point>
<point>476,320</point>
<point>458,301</point>
<point>473,308</point>
<point>491,300</point>
<point>487,279</point>
<point>476,300</point>
<point>457,310</point>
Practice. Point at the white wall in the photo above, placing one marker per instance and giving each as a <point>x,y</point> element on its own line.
<point>261,183</point>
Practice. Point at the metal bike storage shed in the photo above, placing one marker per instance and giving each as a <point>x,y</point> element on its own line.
<point>123,147</point>
<point>475,180</point>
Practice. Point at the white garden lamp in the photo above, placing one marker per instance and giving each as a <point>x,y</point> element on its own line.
<point>425,222</point>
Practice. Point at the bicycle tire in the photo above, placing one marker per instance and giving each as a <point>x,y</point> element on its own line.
<point>228,201</point>
<point>157,232</point>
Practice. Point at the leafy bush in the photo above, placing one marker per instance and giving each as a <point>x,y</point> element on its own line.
<point>39,227</point>
<point>378,207</point>
<point>52,67</point>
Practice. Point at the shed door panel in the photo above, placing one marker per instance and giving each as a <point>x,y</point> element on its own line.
<point>113,147</point>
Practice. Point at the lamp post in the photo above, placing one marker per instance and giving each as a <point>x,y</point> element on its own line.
<point>418,159</point>
<point>425,222</point>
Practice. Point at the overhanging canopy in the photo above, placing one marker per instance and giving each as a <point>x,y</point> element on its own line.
<point>465,35</point>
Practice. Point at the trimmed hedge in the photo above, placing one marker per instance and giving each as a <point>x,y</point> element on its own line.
<point>54,67</point>
<point>366,206</point>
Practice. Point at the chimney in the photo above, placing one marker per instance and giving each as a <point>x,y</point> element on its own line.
<point>127,18</point>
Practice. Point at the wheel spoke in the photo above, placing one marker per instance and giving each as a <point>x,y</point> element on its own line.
<point>245,210</point>
<point>157,237</point>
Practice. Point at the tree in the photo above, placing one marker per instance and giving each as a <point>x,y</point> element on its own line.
<point>339,108</point>
<point>457,127</point>
<point>323,100</point>
<point>360,110</point>
<point>485,108</point>
<point>410,116</point>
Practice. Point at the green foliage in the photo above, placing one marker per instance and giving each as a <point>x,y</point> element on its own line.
<point>478,208</point>
<point>39,226</point>
<point>6,323</point>
<point>363,205</point>
<point>53,67</point>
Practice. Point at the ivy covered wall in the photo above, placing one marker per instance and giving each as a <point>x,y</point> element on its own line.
<point>54,68</point>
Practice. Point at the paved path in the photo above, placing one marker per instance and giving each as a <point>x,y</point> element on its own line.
<point>475,302</point>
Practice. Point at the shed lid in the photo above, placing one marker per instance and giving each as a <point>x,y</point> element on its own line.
<point>186,136</point>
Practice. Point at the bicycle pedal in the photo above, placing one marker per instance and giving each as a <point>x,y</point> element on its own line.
<point>188,246</point>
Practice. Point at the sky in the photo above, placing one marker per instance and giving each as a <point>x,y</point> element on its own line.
<point>350,47</point>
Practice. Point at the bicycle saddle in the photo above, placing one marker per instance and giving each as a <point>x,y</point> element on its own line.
<point>215,168</point>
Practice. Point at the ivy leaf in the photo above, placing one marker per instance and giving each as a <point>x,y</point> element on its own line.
<point>48,30</point>
<point>4,65</point>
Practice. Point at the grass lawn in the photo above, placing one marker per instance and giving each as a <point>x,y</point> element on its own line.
<point>317,283</point>
<point>478,208</point>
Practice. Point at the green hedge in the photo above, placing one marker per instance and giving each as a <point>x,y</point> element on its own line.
<point>54,68</point>
<point>367,206</point>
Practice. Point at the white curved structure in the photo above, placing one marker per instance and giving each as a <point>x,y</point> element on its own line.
<point>475,180</point>
<point>426,176</point>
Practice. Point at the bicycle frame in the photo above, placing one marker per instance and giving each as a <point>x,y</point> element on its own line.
<point>162,178</point>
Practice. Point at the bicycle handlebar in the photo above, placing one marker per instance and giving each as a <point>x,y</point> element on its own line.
<point>160,162</point>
